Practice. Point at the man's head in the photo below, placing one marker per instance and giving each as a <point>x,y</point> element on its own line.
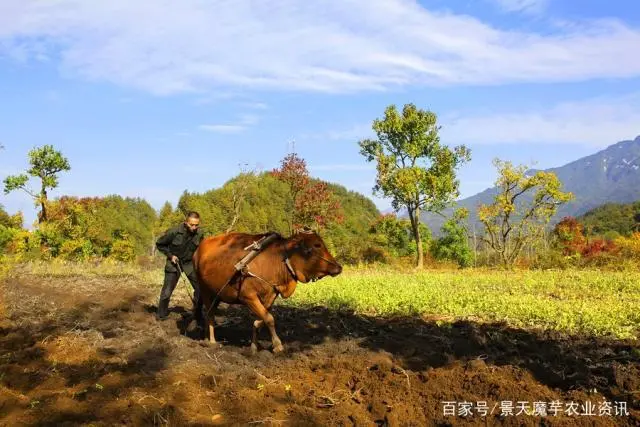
<point>192,222</point>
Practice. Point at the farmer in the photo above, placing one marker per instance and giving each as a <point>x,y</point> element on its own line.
<point>178,244</point>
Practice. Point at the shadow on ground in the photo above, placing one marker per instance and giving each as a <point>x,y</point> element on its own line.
<point>105,359</point>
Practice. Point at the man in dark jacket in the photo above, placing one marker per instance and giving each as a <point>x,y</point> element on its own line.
<point>178,244</point>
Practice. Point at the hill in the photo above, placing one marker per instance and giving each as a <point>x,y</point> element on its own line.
<point>612,218</point>
<point>264,208</point>
<point>611,175</point>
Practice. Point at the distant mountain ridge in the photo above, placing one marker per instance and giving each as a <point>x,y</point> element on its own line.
<point>611,175</point>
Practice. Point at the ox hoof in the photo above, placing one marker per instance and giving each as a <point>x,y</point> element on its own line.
<point>254,349</point>
<point>278,348</point>
<point>212,344</point>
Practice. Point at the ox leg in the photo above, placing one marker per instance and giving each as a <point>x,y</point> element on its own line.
<point>209,315</point>
<point>259,310</point>
<point>211,318</point>
<point>257,325</point>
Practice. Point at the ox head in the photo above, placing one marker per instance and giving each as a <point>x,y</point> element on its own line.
<point>310,258</point>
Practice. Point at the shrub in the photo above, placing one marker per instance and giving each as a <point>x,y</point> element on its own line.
<point>123,250</point>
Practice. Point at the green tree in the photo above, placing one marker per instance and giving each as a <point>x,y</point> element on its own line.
<point>454,243</point>
<point>517,217</point>
<point>45,163</point>
<point>414,169</point>
<point>392,234</point>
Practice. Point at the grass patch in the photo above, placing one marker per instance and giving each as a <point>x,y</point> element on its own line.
<point>573,301</point>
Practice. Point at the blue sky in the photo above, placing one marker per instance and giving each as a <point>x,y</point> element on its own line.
<point>153,98</point>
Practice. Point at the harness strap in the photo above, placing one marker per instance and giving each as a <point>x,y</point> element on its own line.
<point>242,265</point>
<point>290,268</point>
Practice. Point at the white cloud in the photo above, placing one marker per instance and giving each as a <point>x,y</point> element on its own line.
<point>245,121</point>
<point>222,128</point>
<point>526,6</point>
<point>596,122</point>
<point>330,46</point>
<point>351,134</point>
<point>256,105</point>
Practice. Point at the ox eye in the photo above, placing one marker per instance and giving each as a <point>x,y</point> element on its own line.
<point>317,245</point>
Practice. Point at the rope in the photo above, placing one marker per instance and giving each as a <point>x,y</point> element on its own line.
<point>186,285</point>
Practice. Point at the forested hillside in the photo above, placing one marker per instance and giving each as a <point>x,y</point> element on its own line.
<point>618,218</point>
<point>262,204</point>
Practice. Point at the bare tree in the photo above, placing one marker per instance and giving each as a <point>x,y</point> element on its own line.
<point>239,191</point>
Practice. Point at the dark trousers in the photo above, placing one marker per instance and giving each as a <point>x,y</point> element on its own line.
<point>170,281</point>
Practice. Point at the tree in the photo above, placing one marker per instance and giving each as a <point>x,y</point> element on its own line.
<point>516,218</point>
<point>569,235</point>
<point>413,168</point>
<point>316,206</point>
<point>392,234</point>
<point>311,202</point>
<point>238,193</point>
<point>454,243</point>
<point>45,163</point>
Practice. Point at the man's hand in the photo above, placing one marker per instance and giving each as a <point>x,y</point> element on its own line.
<point>174,259</point>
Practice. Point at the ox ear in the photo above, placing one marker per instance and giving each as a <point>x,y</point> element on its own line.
<point>305,230</point>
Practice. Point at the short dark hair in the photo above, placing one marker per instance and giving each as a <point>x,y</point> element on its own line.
<point>193,214</point>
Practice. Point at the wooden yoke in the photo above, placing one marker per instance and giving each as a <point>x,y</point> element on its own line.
<point>256,248</point>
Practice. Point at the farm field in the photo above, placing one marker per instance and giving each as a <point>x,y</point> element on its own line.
<point>80,345</point>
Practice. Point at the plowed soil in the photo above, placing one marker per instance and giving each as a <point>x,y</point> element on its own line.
<point>78,351</point>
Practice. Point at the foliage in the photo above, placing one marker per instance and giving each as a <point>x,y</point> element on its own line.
<point>570,240</point>
<point>311,202</point>
<point>10,225</point>
<point>569,236</point>
<point>629,247</point>
<point>617,217</point>
<point>264,208</point>
<point>238,193</point>
<point>80,228</point>
<point>76,249</point>
<point>7,235</point>
<point>511,222</point>
<point>454,243</point>
<point>46,163</point>
<point>392,236</point>
<point>598,246</point>
<point>11,221</point>
<point>123,249</point>
<point>413,168</point>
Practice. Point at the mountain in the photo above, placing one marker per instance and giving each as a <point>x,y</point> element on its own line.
<point>611,175</point>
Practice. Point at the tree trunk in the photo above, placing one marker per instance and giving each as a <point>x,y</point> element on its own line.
<point>475,245</point>
<point>43,208</point>
<point>414,216</point>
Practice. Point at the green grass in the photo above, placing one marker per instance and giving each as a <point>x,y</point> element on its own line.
<point>574,301</point>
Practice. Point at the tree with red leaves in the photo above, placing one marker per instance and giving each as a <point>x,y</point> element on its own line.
<point>312,203</point>
<point>569,233</point>
<point>597,247</point>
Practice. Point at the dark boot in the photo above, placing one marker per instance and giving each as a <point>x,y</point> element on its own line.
<point>163,309</point>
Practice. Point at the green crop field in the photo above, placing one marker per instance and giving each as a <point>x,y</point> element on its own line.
<point>574,301</point>
<point>592,302</point>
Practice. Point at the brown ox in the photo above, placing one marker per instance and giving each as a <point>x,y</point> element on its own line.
<point>274,271</point>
